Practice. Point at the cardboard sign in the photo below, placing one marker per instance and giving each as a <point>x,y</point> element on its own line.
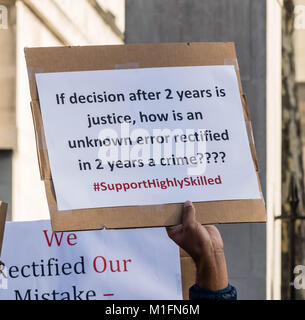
<point>95,265</point>
<point>181,136</point>
<point>3,210</point>
<point>70,110</point>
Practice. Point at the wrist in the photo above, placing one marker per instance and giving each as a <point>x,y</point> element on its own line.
<point>211,271</point>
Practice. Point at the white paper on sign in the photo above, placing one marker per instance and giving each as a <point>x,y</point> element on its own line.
<point>94,265</point>
<point>146,136</point>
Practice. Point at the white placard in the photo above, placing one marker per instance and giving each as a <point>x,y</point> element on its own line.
<point>146,136</point>
<point>93,265</point>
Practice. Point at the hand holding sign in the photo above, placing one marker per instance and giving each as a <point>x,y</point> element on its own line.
<point>204,244</point>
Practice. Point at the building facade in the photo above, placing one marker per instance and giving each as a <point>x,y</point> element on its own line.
<point>35,23</point>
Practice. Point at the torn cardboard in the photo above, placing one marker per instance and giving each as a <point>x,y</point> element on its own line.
<point>3,210</point>
<point>64,59</point>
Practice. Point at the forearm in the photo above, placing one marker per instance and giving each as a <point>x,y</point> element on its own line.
<point>212,279</point>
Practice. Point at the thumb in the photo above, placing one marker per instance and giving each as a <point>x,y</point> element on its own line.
<point>188,214</point>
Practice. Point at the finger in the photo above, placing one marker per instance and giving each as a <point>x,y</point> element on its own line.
<point>215,236</point>
<point>188,214</point>
<point>212,230</point>
<point>173,230</point>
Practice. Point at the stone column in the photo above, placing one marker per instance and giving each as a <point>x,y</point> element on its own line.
<point>244,22</point>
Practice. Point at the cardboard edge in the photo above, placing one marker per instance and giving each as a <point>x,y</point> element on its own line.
<point>3,212</point>
<point>250,131</point>
<point>38,58</point>
<point>41,149</point>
